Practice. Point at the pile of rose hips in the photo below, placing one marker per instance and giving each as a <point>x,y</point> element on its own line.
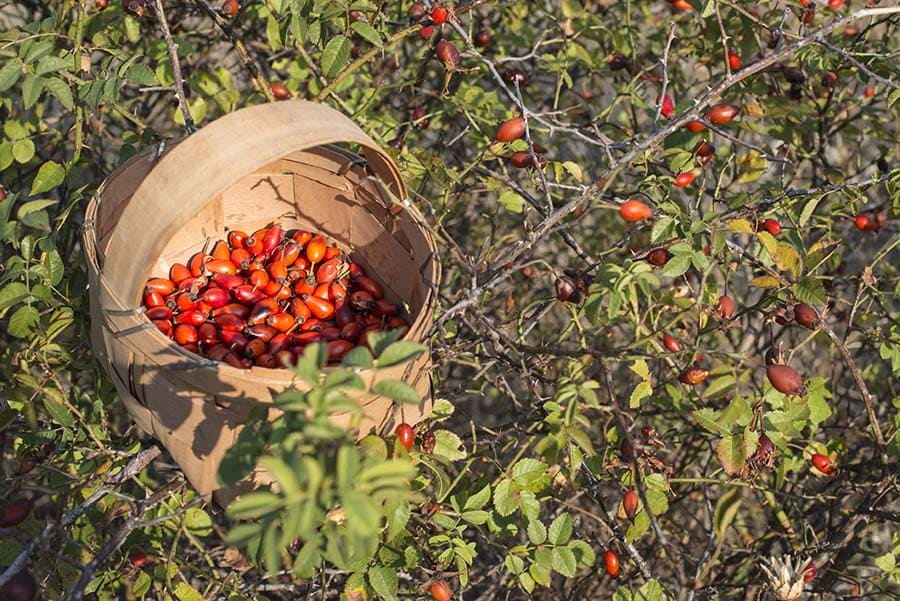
<point>261,298</point>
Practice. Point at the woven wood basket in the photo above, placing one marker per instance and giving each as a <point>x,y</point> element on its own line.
<point>273,162</point>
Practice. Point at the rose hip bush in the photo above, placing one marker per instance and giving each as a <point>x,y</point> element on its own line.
<point>667,343</point>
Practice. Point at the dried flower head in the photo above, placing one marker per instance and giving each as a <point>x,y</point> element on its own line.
<point>785,578</point>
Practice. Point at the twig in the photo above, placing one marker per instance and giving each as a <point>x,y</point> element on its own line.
<point>132,523</point>
<point>176,68</point>
<point>134,467</point>
<point>841,347</point>
<point>249,63</point>
<point>492,277</point>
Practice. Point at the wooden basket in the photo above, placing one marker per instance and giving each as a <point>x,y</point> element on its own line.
<point>273,162</point>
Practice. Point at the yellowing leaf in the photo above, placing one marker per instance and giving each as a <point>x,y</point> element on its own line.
<point>764,281</point>
<point>751,167</point>
<point>740,225</point>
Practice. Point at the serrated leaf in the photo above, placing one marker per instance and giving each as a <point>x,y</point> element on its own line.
<point>741,226</point>
<point>640,392</point>
<point>479,499</point>
<point>397,391</point>
<point>537,532</point>
<point>358,357</point>
<point>810,290</point>
<point>768,242</point>
<point>652,589</point>
<point>765,281</point>
<point>23,322</point>
<point>400,352</point>
<point>50,175</point>
<point>141,75</point>
<point>50,64</point>
<point>530,474</point>
<point>383,581</point>
<point>12,294</point>
<point>511,201</point>
<point>369,33</point>
<point>751,167</point>
<point>54,404</point>
<point>708,419</point>
<point>448,445</point>
<point>561,529</point>
<point>23,150</point>
<point>31,90</point>
<point>677,265</point>
<point>185,592</point>
<point>661,228</point>
<point>731,453</point>
<point>788,259</point>
<point>335,55</point>
<point>9,74</point>
<point>504,497</point>
<point>564,561</point>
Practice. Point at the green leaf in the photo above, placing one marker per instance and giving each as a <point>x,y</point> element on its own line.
<point>708,419</point>
<point>583,553</point>
<point>310,364</point>
<point>677,265</point>
<point>362,514</point>
<point>448,445</point>
<point>397,391</point>
<point>810,290</point>
<point>397,513</point>
<point>23,150</point>
<point>23,322</point>
<point>887,562</point>
<point>359,357</point>
<point>11,294</point>
<point>561,529</point>
<point>53,403</point>
<point>141,75</point>
<point>308,558</point>
<point>242,533</point>
<point>537,532</point>
<point>731,454</point>
<point>31,90</point>
<point>9,74</point>
<point>564,561</point>
<point>640,392</point>
<point>185,592</point>
<point>531,474</point>
<point>726,510</point>
<point>367,32</point>
<point>335,55</point>
<point>383,581</point>
<point>504,497</point>
<point>50,175</point>
<point>808,209</point>
<point>49,64</point>
<point>273,33</point>
<point>254,505</point>
<point>400,352</point>
<point>511,201</point>
<point>286,477</point>
<point>379,341</point>
<point>652,589</point>
<point>198,521</point>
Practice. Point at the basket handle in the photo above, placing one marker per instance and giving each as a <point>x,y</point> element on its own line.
<point>206,163</point>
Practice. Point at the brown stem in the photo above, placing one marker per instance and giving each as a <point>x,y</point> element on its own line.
<point>176,68</point>
<point>249,63</point>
